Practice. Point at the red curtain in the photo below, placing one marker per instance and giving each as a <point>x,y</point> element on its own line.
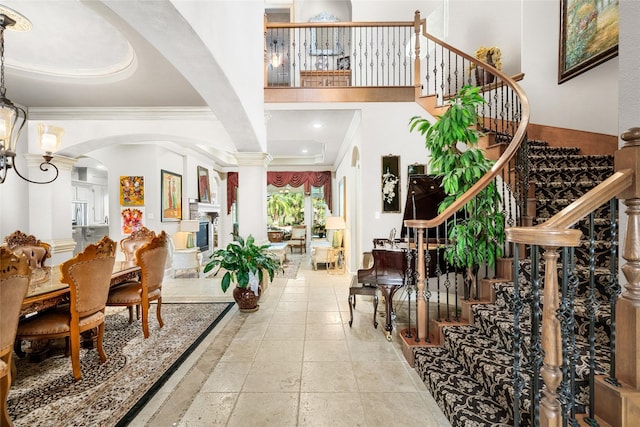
<point>282,179</point>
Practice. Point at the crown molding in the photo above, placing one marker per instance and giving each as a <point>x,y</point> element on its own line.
<point>121,113</point>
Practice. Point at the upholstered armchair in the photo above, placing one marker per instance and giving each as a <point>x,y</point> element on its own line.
<point>151,258</point>
<point>14,281</point>
<point>88,275</point>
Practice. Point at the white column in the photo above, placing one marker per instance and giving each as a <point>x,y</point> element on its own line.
<point>50,207</point>
<point>252,195</point>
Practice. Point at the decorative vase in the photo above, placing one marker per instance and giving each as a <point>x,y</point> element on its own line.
<point>246,299</point>
<point>483,77</point>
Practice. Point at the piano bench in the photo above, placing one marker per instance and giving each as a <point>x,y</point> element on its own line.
<point>356,288</point>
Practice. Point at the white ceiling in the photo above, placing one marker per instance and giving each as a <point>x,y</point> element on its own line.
<point>81,54</point>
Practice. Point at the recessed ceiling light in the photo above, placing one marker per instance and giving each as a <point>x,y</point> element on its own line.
<point>304,150</point>
<point>317,125</point>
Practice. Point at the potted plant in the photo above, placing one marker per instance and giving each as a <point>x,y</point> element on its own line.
<point>477,235</point>
<point>244,263</point>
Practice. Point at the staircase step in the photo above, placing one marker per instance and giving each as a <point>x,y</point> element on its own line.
<point>463,400</point>
<point>556,160</point>
<point>544,176</point>
<point>538,150</point>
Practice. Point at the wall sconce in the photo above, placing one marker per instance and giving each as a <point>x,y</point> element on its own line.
<point>13,118</point>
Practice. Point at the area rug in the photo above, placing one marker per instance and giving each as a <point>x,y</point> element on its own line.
<point>45,394</point>
<point>290,266</point>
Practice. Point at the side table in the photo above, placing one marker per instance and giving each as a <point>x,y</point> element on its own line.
<point>335,261</point>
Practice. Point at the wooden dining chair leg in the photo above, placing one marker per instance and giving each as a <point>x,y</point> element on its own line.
<point>99,346</point>
<point>5,383</point>
<point>130,314</point>
<point>75,355</point>
<point>158,312</point>
<point>138,312</point>
<point>145,319</point>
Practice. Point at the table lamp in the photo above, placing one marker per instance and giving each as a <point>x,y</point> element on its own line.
<point>190,226</point>
<point>336,223</point>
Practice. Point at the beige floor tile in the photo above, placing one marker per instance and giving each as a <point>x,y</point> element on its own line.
<point>292,306</point>
<point>331,409</point>
<point>383,377</point>
<point>328,377</point>
<point>265,410</point>
<point>210,409</point>
<point>328,304</point>
<point>289,317</point>
<point>379,351</point>
<point>322,331</point>
<point>398,410</point>
<point>277,351</point>
<point>325,317</point>
<point>241,351</point>
<point>326,351</point>
<point>227,377</point>
<point>270,377</point>
<point>292,331</point>
<point>251,332</point>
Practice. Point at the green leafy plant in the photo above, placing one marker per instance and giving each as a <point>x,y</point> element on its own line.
<point>239,259</point>
<point>477,235</point>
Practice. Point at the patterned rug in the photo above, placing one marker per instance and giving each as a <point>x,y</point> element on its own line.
<point>290,266</point>
<point>45,394</point>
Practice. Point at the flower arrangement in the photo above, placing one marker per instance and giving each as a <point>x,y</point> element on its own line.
<point>389,182</point>
<point>490,55</point>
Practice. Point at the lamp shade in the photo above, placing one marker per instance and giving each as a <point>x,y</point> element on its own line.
<point>190,225</point>
<point>50,137</point>
<point>335,223</point>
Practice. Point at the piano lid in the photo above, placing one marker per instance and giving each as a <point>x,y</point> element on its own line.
<point>424,195</point>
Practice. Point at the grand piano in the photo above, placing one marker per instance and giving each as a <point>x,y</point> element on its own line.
<point>394,259</point>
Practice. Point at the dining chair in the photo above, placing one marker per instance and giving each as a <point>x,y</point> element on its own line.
<point>88,275</point>
<point>15,274</point>
<point>129,245</point>
<point>298,238</point>
<point>151,258</point>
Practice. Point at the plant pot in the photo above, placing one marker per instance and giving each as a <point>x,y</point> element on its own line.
<point>245,298</point>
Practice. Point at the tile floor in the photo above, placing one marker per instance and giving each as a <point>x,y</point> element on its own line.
<point>294,362</point>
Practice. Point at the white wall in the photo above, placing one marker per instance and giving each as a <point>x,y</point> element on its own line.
<point>586,102</point>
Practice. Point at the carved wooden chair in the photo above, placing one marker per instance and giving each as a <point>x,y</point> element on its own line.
<point>35,250</point>
<point>298,238</point>
<point>14,281</point>
<point>151,258</point>
<point>129,245</point>
<point>88,275</point>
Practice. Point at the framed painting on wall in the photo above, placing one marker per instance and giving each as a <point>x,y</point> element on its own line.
<point>588,36</point>
<point>204,188</point>
<point>416,169</point>
<point>131,219</point>
<point>171,196</point>
<point>391,183</point>
<point>131,190</point>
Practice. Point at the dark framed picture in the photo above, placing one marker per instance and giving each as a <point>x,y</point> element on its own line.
<point>171,196</point>
<point>416,169</point>
<point>390,183</point>
<point>204,186</point>
<point>588,36</point>
<point>344,63</point>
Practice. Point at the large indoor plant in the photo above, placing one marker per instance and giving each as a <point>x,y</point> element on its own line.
<point>477,235</point>
<point>244,264</point>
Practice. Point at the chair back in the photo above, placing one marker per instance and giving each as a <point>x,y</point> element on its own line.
<point>298,232</point>
<point>140,237</point>
<point>88,275</point>
<point>14,282</point>
<point>36,251</point>
<point>152,258</point>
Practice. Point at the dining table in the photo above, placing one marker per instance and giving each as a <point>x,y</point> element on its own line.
<point>46,289</point>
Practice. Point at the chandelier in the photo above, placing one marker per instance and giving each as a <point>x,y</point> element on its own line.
<point>13,117</point>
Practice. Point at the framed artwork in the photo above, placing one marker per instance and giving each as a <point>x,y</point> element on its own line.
<point>416,169</point>
<point>171,196</point>
<point>588,36</point>
<point>344,63</point>
<point>390,183</point>
<point>204,188</point>
<point>131,190</point>
<point>342,198</point>
<point>131,219</point>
